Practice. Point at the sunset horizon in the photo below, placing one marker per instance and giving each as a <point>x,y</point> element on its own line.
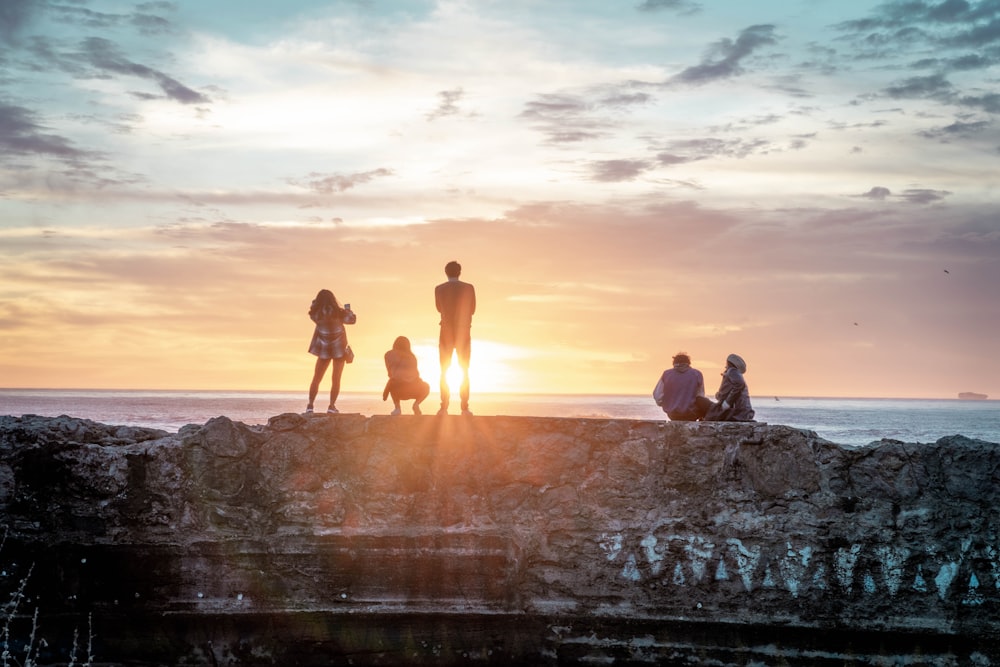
<point>810,185</point>
<point>433,398</point>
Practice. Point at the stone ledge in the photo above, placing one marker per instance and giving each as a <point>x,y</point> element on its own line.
<point>619,522</point>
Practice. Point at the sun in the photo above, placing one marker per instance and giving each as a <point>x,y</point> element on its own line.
<point>491,370</point>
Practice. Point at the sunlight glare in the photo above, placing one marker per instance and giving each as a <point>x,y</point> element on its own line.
<point>490,369</point>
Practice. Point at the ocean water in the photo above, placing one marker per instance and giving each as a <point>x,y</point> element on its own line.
<point>849,421</point>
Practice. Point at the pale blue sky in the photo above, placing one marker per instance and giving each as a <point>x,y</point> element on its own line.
<point>622,180</point>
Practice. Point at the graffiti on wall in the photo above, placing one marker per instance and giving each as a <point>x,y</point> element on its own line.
<point>880,569</point>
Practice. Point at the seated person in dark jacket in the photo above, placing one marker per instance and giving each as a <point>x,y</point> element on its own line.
<point>681,391</point>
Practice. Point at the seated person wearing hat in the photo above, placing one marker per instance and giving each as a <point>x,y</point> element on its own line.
<point>733,396</point>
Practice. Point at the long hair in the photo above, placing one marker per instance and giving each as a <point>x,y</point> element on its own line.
<point>324,298</point>
<point>402,344</point>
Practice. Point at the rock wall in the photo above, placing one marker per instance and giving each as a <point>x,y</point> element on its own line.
<point>388,540</point>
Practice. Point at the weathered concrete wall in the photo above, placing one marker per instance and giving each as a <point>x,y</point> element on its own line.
<point>442,540</point>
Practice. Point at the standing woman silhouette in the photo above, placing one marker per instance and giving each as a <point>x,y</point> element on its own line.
<point>329,343</point>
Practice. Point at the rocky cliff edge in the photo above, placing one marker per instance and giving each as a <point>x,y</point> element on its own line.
<point>641,521</point>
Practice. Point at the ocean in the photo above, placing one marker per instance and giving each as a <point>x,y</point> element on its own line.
<point>848,421</point>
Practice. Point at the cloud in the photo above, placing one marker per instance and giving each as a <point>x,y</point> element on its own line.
<point>937,87</point>
<point>692,150</point>
<point>978,36</point>
<point>964,63</point>
<point>725,56</point>
<point>548,106</point>
<point>954,24</point>
<point>564,118</point>
<point>611,171</point>
<point>570,118</point>
<point>911,196</point>
<point>934,86</point>
<point>87,18</point>
<point>448,106</point>
<point>903,13</point>
<point>621,99</point>
<point>150,24</point>
<point>748,123</point>
<point>22,134</point>
<point>15,14</point>
<point>102,54</point>
<point>878,192</point>
<point>680,6</point>
<point>924,195</point>
<point>14,17</point>
<point>957,129</point>
<point>989,103</point>
<point>327,184</point>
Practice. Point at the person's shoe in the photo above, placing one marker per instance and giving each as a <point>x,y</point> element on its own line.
<point>333,410</point>
<point>396,412</point>
<point>416,409</point>
<point>466,412</point>
<point>309,409</point>
<point>442,411</point>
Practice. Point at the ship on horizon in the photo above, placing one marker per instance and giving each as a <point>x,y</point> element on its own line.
<point>972,396</point>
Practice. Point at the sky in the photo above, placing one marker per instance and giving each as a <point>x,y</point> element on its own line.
<point>811,184</point>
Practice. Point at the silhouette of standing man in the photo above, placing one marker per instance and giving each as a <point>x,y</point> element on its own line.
<point>456,301</point>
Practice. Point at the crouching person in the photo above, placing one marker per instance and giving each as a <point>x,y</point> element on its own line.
<point>404,377</point>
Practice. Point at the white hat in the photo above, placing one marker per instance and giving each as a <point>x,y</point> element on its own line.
<point>737,360</point>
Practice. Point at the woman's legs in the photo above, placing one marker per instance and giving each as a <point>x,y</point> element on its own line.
<point>338,370</point>
<point>417,390</point>
<point>320,370</point>
<point>425,389</point>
